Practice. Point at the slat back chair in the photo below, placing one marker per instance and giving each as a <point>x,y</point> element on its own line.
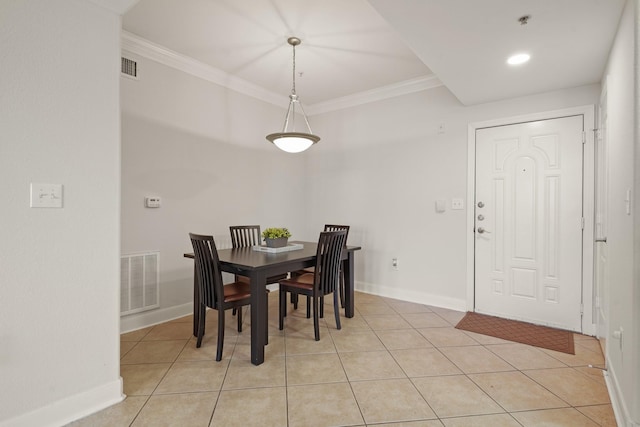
<point>333,227</point>
<point>246,236</point>
<point>243,236</point>
<point>327,227</point>
<point>323,281</point>
<point>212,292</point>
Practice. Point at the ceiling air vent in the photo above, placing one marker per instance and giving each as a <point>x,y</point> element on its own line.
<point>129,68</point>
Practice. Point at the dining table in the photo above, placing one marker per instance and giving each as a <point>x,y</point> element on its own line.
<point>257,265</point>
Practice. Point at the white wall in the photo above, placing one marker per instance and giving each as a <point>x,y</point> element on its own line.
<point>379,167</point>
<point>59,282</point>
<point>202,149</point>
<point>382,166</point>
<point>623,358</point>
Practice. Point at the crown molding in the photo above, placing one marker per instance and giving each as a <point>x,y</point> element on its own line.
<point>119,7</point>
<point>373,95</point>
<point>147,49</point>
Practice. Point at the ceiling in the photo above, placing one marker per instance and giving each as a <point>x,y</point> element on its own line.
<point>355,47</point>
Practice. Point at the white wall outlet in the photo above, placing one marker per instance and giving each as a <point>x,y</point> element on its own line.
<point>627,202</point>
<point>394,263</point>
<point>152,202</point>
<point>619,335</point>
<point>457,204</point>
<point>46,195</point>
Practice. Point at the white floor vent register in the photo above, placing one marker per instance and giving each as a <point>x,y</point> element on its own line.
<point>139,282</point>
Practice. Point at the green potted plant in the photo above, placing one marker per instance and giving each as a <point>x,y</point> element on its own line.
<point>276,237</point>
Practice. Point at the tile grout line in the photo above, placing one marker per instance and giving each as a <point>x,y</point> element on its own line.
<point>574,369</point>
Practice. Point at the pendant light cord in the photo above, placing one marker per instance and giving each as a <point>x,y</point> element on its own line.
<point>293,90</point>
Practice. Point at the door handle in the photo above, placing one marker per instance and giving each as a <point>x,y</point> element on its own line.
<point>482,231</point>
<point>601,239</point>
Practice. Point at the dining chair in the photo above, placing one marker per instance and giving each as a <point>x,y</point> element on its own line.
<point>212,292</point>
<point>327,227</point>
<point>244,236</point>
<point>324,280</point>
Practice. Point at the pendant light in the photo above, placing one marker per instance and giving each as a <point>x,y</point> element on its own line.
<point>289,140</point>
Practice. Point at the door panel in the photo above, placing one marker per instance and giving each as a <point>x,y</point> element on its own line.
<point>528,243</point>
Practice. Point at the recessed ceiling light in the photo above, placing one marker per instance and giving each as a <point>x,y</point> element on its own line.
<point>518,59</point>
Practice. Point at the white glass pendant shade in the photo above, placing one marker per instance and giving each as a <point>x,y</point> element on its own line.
<point>293,142</point>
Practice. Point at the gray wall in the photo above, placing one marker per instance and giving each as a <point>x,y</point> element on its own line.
<point>397,165</point>
<point>59,281</point>
<point>623,356</point>
<point>379,167</point>
<point>202,149</point>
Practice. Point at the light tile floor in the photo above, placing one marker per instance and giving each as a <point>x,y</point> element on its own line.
<point>394,364</point>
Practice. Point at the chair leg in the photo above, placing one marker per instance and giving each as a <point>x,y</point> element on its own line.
<point>282,307</point>
<point>220,334</point>
<point>342,288</point>
<point>321,308</point>
<point>316,319</point>
<point>308,307</point>
<point>336,310</point>
<point>239,313</point>
<point>201,321</point>
<point>233,312</point>
<point>294,301</point>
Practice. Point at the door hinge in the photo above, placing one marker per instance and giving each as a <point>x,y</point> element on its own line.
<point>581,309</point>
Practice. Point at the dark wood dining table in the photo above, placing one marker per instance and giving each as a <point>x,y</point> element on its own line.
<point>257,266</point>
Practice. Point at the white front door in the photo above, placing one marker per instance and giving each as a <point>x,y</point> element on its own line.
<point>528,221</point>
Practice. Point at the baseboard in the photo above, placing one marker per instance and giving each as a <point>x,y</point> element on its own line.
<point>145,319</point>
<point>623,418</point>
<point>412,296</point>
<point>71,408</point>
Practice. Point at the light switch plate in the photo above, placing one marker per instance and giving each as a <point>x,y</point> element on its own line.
<point>441,206</point>
<point>152,202</point>
<point>46,195</point>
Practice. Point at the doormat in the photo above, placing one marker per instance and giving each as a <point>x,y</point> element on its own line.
<point>522,332</point>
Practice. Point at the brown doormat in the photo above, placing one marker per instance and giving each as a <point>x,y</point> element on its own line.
<point>522,332</point>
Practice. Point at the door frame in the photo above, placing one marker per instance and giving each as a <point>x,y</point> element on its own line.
<point>588,202</point>
<point>601,183</point>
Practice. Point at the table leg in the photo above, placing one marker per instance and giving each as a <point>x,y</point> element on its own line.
<point>348,268</point>
<point>196,302</point>
<point>259,327</point>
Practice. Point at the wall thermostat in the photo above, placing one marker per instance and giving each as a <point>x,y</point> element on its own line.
<point>152,202</point>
